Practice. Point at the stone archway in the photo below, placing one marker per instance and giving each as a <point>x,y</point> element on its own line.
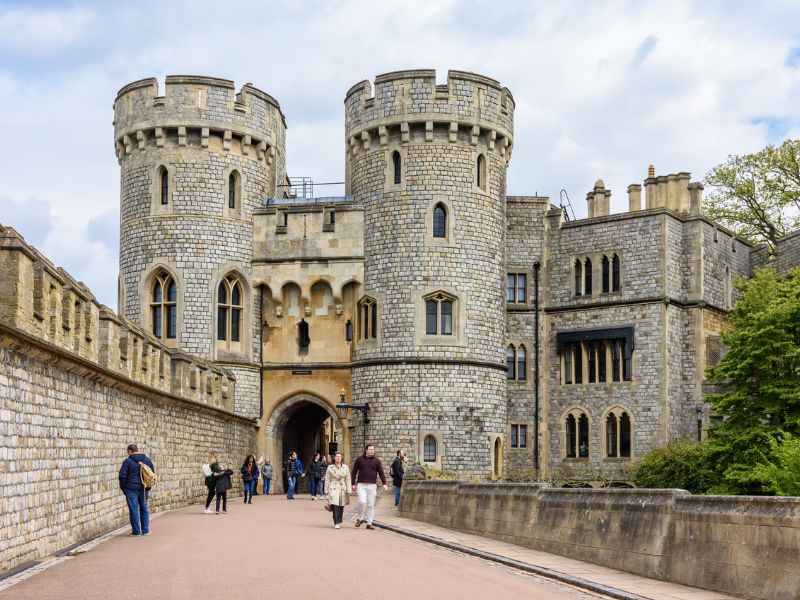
<point>305,424</point>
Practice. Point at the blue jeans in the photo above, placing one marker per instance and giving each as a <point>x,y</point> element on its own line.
<point>396,495</point>
<point>292,481</point>
<point>137,510</point>
<point>317,486</point>
<point>265,491</point>
<point>250,486</point>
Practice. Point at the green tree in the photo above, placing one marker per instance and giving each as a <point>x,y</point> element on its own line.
<point>681,465</point>
<point>781,472</point>
<point>760,375</point>
<point>757,195</point>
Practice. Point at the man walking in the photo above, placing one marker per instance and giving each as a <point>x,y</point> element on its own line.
<point>130,482</point>
<point>293,468</point>
<point>396,471</point>
<point>366,470</point>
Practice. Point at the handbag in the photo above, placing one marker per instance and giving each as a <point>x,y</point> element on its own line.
<point>327,505</point>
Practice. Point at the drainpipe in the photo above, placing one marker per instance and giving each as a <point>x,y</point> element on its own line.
<point>261,352</point>
<point>536,267</point>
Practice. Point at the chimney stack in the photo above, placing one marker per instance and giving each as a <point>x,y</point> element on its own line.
<point>695,190</point>
<point>634,197</point>
<point>650,188</point>
<point>602,199</point>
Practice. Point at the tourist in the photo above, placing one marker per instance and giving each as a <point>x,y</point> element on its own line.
<point>366,470</point>
<point>396,471</point>
<point>211,467</point>
<point>130,482</point>
<point>293,468</point>
<point>223,484</point>
<point>266,475</point>
<point>323,469</point>
<point>249,477</point>
<point>337,482</point>
<point>316,473</point>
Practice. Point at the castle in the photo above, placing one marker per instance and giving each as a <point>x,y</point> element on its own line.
<point>457,313</point>
<point>481,333</point>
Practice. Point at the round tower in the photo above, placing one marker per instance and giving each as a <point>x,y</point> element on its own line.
<point>195,162</point>
<point>429,163</point>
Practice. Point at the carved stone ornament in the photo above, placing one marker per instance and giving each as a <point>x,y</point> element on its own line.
<point>279,310</point>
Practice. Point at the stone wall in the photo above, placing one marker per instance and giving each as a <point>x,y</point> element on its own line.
<point>741,545</point>
<point>787,252</point>
<point>77,385</point>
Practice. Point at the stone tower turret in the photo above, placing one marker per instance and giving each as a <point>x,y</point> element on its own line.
<point>195,163</point>
<point>429,163</point>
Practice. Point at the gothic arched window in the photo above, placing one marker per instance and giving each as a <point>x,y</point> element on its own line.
<point>522,360</point>
<point>163,184</point>
<point>511,362</point>
<point>577,434</point>
<point>429,449</point>
<point>439,221</point>
<point>439,314</point>
<point>618,434</point>
<point>234,190</point>
<point>578,277</point>
<point>480,171</point>
<point>164,307</point>
<point>606,274</point>
<point>587,277</point>
<point>229,310</point>
<point>398,167</point>
<point>367,318</point>
<point>615,273</point>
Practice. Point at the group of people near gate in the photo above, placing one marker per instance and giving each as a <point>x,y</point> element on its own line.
<point>332,482</point>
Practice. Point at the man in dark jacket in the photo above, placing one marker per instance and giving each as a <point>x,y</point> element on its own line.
<point>293,468</point>
<point>396,470</point>
<point>316,473</point>
<point>130,482</point>
<point>366,471</point>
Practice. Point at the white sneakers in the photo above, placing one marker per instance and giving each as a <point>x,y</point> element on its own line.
<point>313,497</point>
<point>337,526</point>
<point>208,511</point>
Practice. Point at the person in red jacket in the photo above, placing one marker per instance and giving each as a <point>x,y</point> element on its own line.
<point>366,471</point>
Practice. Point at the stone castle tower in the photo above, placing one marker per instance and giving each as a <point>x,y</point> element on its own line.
<point>195,163</point>
<point>428,162</point>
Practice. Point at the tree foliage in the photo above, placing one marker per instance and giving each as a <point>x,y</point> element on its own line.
<point>760,375</point>
<point>757,195</point>
<point>681,465</point>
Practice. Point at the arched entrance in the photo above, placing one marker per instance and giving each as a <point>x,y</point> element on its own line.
<point>304,424</point>
<point>497,458</point>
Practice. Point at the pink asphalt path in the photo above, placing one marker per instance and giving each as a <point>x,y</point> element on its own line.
<point>276,548</point>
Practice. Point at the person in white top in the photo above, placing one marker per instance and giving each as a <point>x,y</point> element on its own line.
<point>210,479</point>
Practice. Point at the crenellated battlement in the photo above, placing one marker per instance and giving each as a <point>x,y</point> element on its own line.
<point>468,107</point>
<point>49,305</point>
<point>192,110</point>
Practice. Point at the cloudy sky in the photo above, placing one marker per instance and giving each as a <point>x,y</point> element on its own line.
<point>602,89</point>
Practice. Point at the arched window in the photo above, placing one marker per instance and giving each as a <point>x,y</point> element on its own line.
<point>164,307</point>
<point>429,450</point>
<point>577,434</point>
<point>618,434</point>
<point>229,310</point>
<point>439,221</point>
<point>522,360</point>
<point>398,167</point>
<point>511,362</point>
<point>587,277</point>
<point>348,331</point>
<point>367,318</point>
<point>480,172</point>
<point>615,273</point>
<point>234,190</point>
<point>578,277</point>
<point>439,314</point>
<point>163,185</point>
<point>606,274</point>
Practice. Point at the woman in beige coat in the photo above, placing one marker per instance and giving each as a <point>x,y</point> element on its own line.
<point>337,483</point>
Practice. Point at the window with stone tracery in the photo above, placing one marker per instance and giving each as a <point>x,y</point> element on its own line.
<point>164,307</point>
<point>576,434</point>
<point>230,308</point>
<point>367,318</point>
<point>618,433</point>
<point>439,314</point>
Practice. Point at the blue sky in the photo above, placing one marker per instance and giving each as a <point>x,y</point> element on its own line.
<point>602,90</point>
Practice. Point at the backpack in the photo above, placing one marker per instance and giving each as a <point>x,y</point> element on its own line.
<point>149,479</point>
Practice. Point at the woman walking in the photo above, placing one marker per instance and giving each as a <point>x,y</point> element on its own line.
<point>337,482</point>
<point>209,470</point>
<point>222,485</point>
<point>315,473</point>
<point>266,474</point>
<point>249,477</point>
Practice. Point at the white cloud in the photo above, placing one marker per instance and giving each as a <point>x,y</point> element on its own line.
<point>41,31</point>
<point>602,89</point>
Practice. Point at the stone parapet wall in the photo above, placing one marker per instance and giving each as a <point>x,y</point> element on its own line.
<point>46,302</point>
<point>741,545</point>
<point>787,252</point>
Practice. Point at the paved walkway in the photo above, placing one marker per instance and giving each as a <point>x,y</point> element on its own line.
<point>275,548</point>
<point>654,589</point>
